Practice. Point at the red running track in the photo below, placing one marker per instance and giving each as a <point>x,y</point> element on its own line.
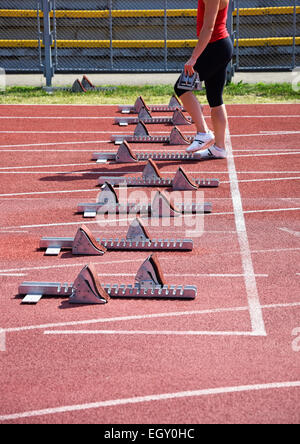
<point>230,356</point>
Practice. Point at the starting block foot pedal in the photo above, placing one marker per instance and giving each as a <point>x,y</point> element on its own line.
<point>87,289</point>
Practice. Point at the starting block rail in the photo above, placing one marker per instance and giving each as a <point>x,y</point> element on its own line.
<point>152,178</point>
<point>160,206</point>
<point>145,116</point>
<point>87,289</point>
<point>126,155</point>
<point>140,103</point>
<point>137,238</point>
<point>142,135</point>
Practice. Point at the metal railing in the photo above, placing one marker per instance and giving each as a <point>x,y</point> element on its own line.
<point>132,36</point>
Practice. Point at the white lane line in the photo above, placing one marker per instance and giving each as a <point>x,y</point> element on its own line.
<point>268,133</point>
<point>113,117</point>
<point>269,179</point>
<point>48,166</point>
<point>64,224</point>
<point>12,274</point>
<point>270,250</point>
<point>151,332</point>
<point>269,154</point>
<point>255,309</point>
<point>37,193</point>
<point>292,232</point>
<point>261,134</point>
<point>83,142</point>
<point>193,275</point>
<point>152,398</point>
<point>145,316</point>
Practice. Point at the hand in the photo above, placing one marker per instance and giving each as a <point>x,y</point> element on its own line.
<point>189,67</point>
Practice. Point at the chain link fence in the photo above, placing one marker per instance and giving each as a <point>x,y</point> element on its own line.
<point>138,36</point>
<point>267,35</point>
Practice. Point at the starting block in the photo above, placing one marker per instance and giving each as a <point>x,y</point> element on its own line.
<point>87,289</point>
<point>137,238</point>
<point>126,155</point>
<point>151,177</point>
<point>145,116</point>
<point>141,135</point>
<point>86,85</point>
<point>140,103</point>
<point>160,206</point>
<point>189,83</point>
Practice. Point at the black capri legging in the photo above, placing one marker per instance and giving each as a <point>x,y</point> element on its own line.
<point>212,67</point>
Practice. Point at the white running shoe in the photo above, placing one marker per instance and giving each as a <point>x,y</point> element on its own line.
<point>213,152</point>
<point>202,140</point>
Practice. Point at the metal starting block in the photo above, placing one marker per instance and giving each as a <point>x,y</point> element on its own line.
<point>140,103</point>
<point>189,83</point>
<point>141,135</point>
<point>126,155</point>
<point>86,85</point>
<point>160,206</point>
<point>151,177</point>
<point>137,238</point>
<point>87,289</point>
<point>145,116</point>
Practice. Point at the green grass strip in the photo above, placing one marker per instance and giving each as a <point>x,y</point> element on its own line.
<point>153,94</point>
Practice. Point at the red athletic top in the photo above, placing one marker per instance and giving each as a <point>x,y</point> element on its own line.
<point>220,29</point>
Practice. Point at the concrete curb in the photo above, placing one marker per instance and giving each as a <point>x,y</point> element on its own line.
<point>138,79</point>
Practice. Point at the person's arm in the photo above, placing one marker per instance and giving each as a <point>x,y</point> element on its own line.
<point>210,16</point>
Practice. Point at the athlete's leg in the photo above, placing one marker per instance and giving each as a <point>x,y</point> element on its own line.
<point>219,122</point>
<point>195,110</point>
<point>204,136</point>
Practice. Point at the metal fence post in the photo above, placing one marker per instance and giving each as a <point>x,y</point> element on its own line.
<point>230,67</point>
<point>294,35</point>
<point>237,35</point>
<point>47,41</point>
<point>166,34</point>
<point>111,54</point>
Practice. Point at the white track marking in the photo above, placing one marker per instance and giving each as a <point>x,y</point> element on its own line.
<point>270,250</point>
<point>255,309</point>
<point>113,117</point>
<point>83,142</point>
<point>269,179</point>
<point>292,232</point>
<point>118,132</point>
<point>152,332</point>
<point>145,316</point>
<point>152,398</point>
<point>269,154</point>
<point>63,224</point>
<point>48,166</point>
<point>12,274</point>
<point>271,133</point>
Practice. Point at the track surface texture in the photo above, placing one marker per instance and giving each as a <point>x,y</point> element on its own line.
<point>232,355</point>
